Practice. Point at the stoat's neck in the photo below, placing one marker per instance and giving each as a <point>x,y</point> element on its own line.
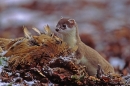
<point>72,38</point>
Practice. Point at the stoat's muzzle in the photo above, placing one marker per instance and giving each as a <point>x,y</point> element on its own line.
<point>61,27</point>
<point>57,29</point>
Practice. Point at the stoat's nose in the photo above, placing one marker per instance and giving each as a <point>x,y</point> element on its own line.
<point>57,29</point>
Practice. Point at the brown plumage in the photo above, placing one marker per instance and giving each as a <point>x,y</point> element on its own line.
<point>4,42</point>
<point>32,50</point>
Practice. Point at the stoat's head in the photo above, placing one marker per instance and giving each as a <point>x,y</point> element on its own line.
<point>65,25</point>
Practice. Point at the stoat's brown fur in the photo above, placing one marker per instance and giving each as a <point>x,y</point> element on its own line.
<point>86,55</point>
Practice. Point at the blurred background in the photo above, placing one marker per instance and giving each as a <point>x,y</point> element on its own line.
<point>103,24</point>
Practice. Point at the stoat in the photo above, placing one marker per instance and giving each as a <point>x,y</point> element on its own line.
<point>85,55</point>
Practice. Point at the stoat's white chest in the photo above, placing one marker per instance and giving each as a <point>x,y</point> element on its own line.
<point>70,38</point>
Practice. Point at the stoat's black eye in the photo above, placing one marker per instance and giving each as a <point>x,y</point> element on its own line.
<point>63,25</point>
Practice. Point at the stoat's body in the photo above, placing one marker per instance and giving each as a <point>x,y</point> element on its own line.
<point>86,55</point>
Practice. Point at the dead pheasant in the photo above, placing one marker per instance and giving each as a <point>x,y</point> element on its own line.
<point>36,49</point>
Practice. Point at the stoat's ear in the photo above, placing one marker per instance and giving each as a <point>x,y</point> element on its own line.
<point>35,29</point>
<point>72,21</point>
<point>61,17</point>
